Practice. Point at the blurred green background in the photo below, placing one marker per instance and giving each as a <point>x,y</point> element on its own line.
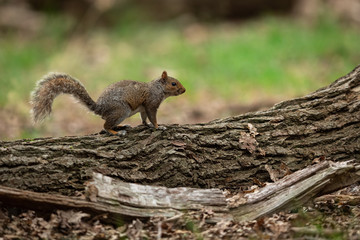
<point>232,56</point>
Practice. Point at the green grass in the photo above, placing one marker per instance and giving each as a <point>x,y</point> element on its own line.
<point>21,57</point>
<point>264,58</point>
<point>273,56</point>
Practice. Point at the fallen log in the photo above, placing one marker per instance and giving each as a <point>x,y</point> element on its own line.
<point>296,189</point>
<point>339,199</point>
<point>225,153</point>
<point>121,201</point>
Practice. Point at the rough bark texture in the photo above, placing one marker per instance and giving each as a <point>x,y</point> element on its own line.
<point>225,153</point>
<point>121,201</point>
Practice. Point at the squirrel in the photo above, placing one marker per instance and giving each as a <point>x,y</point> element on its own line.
<point>119,101</point>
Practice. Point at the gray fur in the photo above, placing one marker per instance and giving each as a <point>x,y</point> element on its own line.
<point>49,87</point>
<point>119,101</point>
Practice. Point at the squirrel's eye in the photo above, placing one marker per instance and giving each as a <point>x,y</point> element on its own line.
<point>173,83</point>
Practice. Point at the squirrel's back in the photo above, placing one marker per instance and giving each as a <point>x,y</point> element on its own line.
<point>132,93</point>
<point>50,86</point>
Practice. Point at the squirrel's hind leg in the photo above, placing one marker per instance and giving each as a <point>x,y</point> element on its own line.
<point>115,118</point>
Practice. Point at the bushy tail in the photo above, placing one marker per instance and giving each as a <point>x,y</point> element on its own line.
<point>52,85</point>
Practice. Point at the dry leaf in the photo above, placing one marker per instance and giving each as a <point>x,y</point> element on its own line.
<point>274,174</point>
<point>258,182</point>
<point>318,159</point>
<point>91,192</point>
<point>236,200</point>
<point>247,142</point>
<point>285,169</point>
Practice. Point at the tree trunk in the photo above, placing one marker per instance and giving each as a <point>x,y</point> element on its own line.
<point>225,153</point>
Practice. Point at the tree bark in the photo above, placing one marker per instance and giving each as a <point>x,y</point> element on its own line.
<point>225,153</point>
<point>120,201</point>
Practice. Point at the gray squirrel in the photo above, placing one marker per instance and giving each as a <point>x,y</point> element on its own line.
<point>119,101</point>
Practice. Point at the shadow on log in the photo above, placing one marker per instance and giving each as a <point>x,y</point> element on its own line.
<point>226,153</point>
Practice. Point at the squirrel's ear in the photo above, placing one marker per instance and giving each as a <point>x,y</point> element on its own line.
<point>164,75</point>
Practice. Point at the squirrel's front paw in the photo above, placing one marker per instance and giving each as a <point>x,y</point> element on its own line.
<point>158,127</point>
<point>150,125</point>
<point>121,133</point>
